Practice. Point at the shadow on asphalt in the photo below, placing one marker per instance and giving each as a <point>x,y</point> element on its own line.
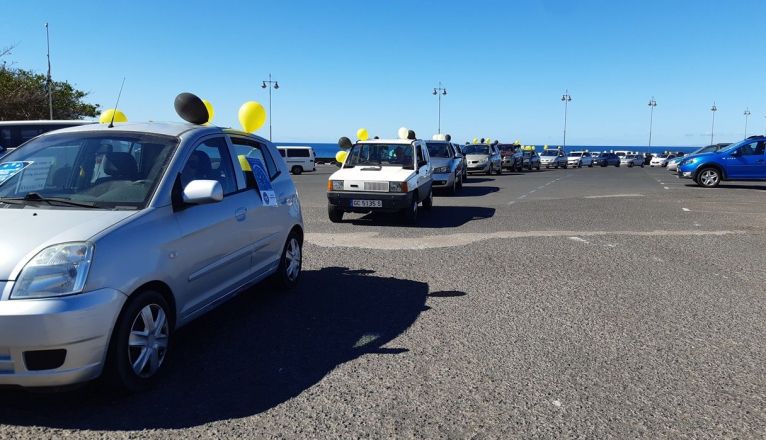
<point>471,191</point>
<point>438,217</point>
<point>729,186</point>
<point>253,353</point>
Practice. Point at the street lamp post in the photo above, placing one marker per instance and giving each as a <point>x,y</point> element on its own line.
<point>747,115</point>
<point>652,105</point>
<point>566,98</point>
<point>439,91</point>
<point>713,109</point>
<point>271,85</point>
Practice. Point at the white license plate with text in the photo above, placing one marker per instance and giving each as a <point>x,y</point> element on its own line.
<point>367,203</point>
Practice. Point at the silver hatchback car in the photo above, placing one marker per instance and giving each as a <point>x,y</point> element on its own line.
<point>113,238</point>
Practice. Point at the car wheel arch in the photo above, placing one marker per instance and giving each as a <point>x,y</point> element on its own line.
<point>713,165</point>
<point>166,292</point>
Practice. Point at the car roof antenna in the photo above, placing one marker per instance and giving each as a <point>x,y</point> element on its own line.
<point>111,123</point>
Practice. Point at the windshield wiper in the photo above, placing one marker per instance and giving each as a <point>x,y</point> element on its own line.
<point>36,197</point>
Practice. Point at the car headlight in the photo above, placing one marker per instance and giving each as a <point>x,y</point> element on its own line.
<point>691,161</point>
<point>483,160</point>
<point>440,170</point>
<point>335,185</point>
<point>397,187</point>
<point>55,271</point>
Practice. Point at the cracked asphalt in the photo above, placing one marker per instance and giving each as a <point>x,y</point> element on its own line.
<point>578,303</point>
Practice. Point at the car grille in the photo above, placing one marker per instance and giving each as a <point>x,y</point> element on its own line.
<point>376,186</point>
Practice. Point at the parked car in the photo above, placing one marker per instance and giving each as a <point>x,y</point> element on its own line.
<point>661,160</point>
<point>382,176</point>
<point>579,159</point>
<point>15,133</point>
<point>673,164</point>
<point>744,160</point>
<point>531,160</point>
<point>464,163</point>
<point>631,160</point>
<point>112,256</point>
<point>483,158</point>
<point>448,166</point>
<point>553,158</point>
<point>606,159</point>
<point>298,159</point>
<point>512,157</point>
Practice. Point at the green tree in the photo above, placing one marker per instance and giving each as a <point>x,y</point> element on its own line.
<point>24,96</point>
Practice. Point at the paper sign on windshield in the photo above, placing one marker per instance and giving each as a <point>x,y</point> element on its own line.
<point>10,169</point>
<point>36,175</point>
<point>268,195</point>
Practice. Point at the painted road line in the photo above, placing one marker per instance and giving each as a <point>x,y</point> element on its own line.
<point>685,209</point>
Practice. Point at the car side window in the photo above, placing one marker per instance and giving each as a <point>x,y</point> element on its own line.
<point>752,149</point>
<point>254,149</point>
<point>210,160</point>
<point>421,158</point>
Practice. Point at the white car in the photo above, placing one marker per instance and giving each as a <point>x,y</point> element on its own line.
<point>579,159</point>
<point>553,158</point>
<point>631,160</point>
<point>382,175</point>
<point>661,160</point>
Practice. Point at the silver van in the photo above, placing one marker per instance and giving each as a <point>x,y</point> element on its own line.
<point>298,159</point>
<point>113,238</point>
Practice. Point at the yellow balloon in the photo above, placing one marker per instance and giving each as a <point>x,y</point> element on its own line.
<point>210,111</point>
<point>106,116</point>
<point>252,116</point>
<point>489,141</point>
<point>362,134</point>
<point>341,156</point>
<point>475,140</point>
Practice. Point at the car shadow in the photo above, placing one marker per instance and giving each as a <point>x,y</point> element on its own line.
<point>730,186</point>
<point>469,191</point>
<point>251,354</point>
<point>438,217</point>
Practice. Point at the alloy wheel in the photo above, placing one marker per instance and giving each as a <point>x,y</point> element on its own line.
<point>709,178</point>
<point>293,256</point>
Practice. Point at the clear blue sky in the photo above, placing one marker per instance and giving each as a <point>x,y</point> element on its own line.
<point>349,64</point>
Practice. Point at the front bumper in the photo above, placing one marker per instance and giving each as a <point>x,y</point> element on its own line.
<point>443,180</point>
<point>390,201</point>
<point>80,324</point>
<point>475,168</point>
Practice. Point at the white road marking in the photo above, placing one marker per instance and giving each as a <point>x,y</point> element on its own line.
<point>557,403</point>
<point>522,196</point>
<point>614,195</point>
<point>531,191</point>
<point>685,209</point>
<point>374,240</point>
<point>581,240</point>
<point>511,202</point>
<point>666,187</point>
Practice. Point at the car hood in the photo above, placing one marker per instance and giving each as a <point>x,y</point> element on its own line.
<point>28,230</point>
<point>372,174</point>
<point>476,156</point>
<point>441,162</point>
<point>548,158</point>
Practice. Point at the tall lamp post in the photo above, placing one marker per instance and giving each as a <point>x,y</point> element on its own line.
<point>439,91</point>
<point>747,115</point>
<point>652,105</point>
<point>713,109</point>
<point>271,85</point>
<point>565,98</point>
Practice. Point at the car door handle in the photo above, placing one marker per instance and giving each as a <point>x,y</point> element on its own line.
<point>240,214</point>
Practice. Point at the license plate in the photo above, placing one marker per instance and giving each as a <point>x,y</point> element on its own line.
<point>367,203</point>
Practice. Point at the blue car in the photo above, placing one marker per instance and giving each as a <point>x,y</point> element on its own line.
<point>745,160</point>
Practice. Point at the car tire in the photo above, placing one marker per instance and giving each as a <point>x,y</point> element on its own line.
<point>489,170</point>
<point>537,167</point>
<point>564,166</point>
<point>499,170</point>
<point>630,165</point>
<point>334,213</point>
<point>145,311</point>
<point>642,165</point>
<point>296,170</point>
<point>288,274</point>
<point>460,183</point>
<point>410,215</point>
<point>428,202</point>
<point>708,177</point>
<point>617,166</point>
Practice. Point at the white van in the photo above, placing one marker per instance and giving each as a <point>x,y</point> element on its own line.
<point>298,159</point>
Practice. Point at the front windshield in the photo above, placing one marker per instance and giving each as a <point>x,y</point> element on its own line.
<point>103,170</point>
<point>476,149</point>
<point>438,149</point>
<point>400,155</point>
<point>575,154</point>
<point>549,153</point>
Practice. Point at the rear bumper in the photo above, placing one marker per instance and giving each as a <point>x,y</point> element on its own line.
<point>389,201</point>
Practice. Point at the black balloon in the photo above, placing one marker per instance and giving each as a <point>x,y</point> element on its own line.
<point>481,141</point>
<point>191,109</point>
<point>344,142</point>
<point>376,137</point>
<point>411,135</point>
<point>448,138</point>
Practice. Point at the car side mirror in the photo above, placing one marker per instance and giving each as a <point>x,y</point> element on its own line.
<point>422,163</point>
<point>199,192</point>
<point>735,153</point>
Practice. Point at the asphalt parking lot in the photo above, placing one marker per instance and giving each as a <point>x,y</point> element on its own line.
<point>594,303</point>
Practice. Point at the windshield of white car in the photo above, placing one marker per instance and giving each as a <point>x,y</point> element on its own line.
<point>381,155</point>
<point>549,153</point>
<point>438,149</point>
<point>476,149</point>
<point>575,154</point>
<point>109,170</point>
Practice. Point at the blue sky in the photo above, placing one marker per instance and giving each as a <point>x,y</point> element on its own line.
<point>349,64</point>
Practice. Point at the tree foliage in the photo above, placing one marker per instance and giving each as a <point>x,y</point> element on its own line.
<point>24,96</point>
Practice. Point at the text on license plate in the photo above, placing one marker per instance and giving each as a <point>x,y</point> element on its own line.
<point>367,203</point>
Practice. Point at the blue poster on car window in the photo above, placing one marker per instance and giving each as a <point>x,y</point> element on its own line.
<point>268,195</point>
<point>10,169</point>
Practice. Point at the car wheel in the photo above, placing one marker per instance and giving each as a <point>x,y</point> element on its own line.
<point>410,214</point>
<point>140,342</point>
<point>564,166</point>
<point>460,183</point>
<point>642,165</point>
<point>290,264</point>
<point>489,170</point>
<point>428,202</point>
<point>708,178</point>
<point>537,167</point>
<point>499,171</point>
<point>630,165</point>
<point>335,213</point>
<point>296,170</point>
<point>618,165</point>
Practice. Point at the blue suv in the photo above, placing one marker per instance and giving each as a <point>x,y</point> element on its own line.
<point>745,160</point>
